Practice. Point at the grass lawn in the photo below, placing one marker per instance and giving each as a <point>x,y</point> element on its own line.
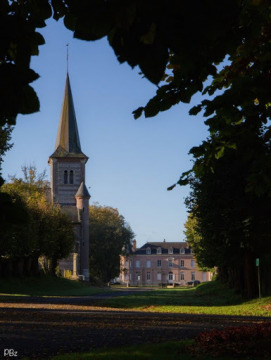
<point>176,350</point>
<point>46,286</point>
<point>206,298</point>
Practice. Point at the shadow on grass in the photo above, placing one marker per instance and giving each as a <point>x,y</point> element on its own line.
<point>206,294</point>
<point>47,286</point>
<point>164,351</point>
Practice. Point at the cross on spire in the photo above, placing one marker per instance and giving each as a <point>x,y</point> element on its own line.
<point>67,57</point>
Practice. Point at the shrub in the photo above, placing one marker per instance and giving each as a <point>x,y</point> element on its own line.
<point>243,340</point>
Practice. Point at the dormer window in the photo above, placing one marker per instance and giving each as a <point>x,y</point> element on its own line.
<point>159,251</point>
<point>148,251</point>
<point>71,177</point>
<point>182,251</point>
<point>170,250</point>
<point>65,179</point>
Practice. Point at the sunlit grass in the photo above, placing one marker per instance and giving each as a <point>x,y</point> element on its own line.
<point>209,298</point>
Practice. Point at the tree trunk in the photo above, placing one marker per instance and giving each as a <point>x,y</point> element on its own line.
<point>54,264</point>
<point>20,267</point>
<point>250,281</point>
<point>35,266</point>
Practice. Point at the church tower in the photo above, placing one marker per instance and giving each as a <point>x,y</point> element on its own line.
<point>68,187</point>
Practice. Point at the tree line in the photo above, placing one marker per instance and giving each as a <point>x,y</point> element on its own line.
<point>229,224</point>
<point>35,233</point>
<point>31,227</point>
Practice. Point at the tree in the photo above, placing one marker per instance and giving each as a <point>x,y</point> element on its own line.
<point>232,215</point>
<point>5,135</point>
<point>177,45</point>
<point>190,39</point>
<point>32,226</point>
<point>109,237</point>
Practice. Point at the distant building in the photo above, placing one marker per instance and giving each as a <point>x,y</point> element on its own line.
<point>68,187</point>
<point>157,263</point>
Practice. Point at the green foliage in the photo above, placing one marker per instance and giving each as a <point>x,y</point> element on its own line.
<point>18,42</point>
<point>194,239</point>
<point>230,209</point>
<point>31,225</point>
<point>109,237</point>
<point>5,135</point>
<point>226,42</point>
<point>188,39</point>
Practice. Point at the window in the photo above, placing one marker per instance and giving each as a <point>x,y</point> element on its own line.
<point>191,251</point>
<point>126,264</point>
<point>138,277</point>
<point>182,251</point>
<point>71,177</point>
<point>65,177</point>
<point>126,277</point>
<point>193,275</point>
<point>170,276</point>
<point>137,263</point>
<point>170,262</point>
<point>159,251</point>
<point>130,263</point>
<point>192,263</point>
<point>182,276</point>
<point>148,275</point>
<point>148,251</point>
<point>182,263</point>
<point>159,276</point>
<point>148,263</point>
<point>159,263</point>
<point>170,250</point>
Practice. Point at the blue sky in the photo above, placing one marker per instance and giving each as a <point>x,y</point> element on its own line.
<point>131,162</point>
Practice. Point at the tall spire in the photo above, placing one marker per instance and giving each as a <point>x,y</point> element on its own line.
<point>67,134</point>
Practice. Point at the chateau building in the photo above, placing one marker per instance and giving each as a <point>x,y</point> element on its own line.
<point>157,263</point>
<point>68,187</point>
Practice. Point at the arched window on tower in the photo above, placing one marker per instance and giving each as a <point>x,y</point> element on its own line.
<point>65,177</point>
<point>71,177</point>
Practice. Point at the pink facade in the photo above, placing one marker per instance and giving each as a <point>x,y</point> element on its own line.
<point>161,263</point>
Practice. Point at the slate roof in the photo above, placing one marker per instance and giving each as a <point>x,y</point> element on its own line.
<point>82,191</point>
<point>67,141</point>
<point>165,246</point>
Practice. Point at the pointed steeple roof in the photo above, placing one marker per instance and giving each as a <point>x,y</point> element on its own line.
<point>67,140</point>
<point>82,191</point>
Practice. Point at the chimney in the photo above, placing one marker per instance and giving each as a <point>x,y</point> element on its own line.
<point>134,246</point>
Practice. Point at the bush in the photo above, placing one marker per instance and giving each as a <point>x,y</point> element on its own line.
<point>244,340</point>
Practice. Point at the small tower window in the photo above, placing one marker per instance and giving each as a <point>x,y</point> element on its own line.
<point>65,177</point>
<point>71,177</point>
